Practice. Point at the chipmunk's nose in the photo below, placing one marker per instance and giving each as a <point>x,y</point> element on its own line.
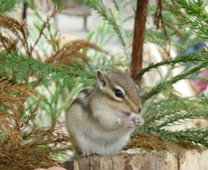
<point>135,107</point>
<point>137,110</point>
<point>140,109</point>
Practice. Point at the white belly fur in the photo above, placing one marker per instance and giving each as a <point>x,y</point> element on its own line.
<point>104,143</point>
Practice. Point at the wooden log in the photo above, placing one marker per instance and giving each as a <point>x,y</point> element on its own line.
<point>164,160</point>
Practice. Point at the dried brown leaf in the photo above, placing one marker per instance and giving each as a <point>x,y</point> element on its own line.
<point>70,52</point>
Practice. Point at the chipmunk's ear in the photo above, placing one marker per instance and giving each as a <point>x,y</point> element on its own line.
<point>101,78</point>
<point>127,71</point>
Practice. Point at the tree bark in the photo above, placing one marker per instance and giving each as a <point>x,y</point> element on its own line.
<point>138,39</point>
<point>174,160</point>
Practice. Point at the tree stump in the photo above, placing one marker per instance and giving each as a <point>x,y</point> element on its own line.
<point>164,160</point>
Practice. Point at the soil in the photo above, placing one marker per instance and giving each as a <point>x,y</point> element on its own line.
<point>152,142</point>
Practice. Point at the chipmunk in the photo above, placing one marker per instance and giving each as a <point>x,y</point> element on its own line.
<point>102,117</point>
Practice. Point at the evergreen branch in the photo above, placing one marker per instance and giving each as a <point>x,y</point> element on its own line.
<point>151,35</point>
<point>197,136</point>
<point>45,25</point>
<point>194,15</point>
<point>202,78</point>
<point>109,16</point>
<point>204,99</point>
<point>22,64</point>
<point>116,4</point>
<point>9,5</point>
<point>193,8</point>
<point>174,28</point>
<point>195,57</point>
<point>129,17</point>
<point>181,116</point>
<point>58,3</point>
<point>130,2</point>
<point>164,85</point>
<point>158,113</point>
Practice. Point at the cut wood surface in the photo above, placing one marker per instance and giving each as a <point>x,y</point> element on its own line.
<point>164,160</point>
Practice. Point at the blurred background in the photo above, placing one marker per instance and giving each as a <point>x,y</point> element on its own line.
<point>76,22</point>
<point>55,49</point>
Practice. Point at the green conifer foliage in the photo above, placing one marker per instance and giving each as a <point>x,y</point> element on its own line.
<point>39,75</point>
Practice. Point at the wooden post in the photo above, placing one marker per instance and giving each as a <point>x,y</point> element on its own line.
<point>167,160</point>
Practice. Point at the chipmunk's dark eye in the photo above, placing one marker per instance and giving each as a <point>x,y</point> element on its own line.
<point>118,93</point>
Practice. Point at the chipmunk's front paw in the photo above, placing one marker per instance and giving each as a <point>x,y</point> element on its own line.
<point>138,121</point>
<point>134,121</point>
